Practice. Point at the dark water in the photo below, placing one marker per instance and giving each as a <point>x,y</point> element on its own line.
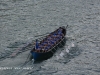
<point>22,20</point>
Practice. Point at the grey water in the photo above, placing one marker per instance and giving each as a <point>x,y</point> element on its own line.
<point>22,21</point>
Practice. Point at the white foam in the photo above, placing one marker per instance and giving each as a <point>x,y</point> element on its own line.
<point>33,60</point>
<point>61,54</point>
<point>72,44</point>
<point>58,57</point>
<point>69,47</point>
<point>67,50</point>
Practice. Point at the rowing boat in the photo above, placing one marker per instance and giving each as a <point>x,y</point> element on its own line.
<point>45,48</point>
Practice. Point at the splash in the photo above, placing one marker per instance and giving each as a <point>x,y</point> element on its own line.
<point>65,51</point>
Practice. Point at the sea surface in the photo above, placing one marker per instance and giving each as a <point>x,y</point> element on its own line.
<point>23,21</point>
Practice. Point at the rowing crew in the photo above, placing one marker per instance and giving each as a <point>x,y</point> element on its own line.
<point>50,41</point>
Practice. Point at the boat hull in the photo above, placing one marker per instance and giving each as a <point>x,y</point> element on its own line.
<point>43,56</point>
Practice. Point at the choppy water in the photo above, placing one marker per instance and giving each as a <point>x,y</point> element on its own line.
<point>22,20</point>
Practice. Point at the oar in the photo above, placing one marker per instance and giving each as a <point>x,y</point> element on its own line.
<point>42,34</point>
<point>26,60</point>
<point>49,32</point>
<point>34,41</point>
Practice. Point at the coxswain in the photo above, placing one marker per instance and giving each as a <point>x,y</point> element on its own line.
<point>36,46</point>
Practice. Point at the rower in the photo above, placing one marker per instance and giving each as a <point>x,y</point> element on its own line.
<point>59,31</point>
<point>36,46</point>
<point>47,47</point>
